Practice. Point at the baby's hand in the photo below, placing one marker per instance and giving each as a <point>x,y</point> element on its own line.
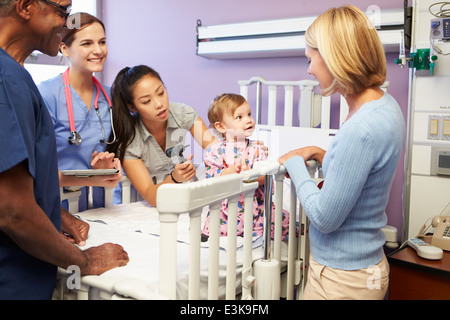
<point>236,168</point>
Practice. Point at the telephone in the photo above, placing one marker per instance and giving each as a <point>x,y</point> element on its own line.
<point>441,236</point>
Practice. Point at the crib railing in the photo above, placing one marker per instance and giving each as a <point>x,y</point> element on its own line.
<point>176,199</point>
<point>191,198</point>
<point>308,104</point>
<point>313,109</point>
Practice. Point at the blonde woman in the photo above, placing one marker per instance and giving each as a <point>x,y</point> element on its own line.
<point>347,260</point>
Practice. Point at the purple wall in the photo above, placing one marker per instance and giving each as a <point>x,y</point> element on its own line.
<point>162,34</point>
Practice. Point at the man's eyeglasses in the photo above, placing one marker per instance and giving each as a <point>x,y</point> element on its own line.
<point>65,9</point>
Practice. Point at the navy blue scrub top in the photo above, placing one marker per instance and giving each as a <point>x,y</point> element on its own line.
<point>26,134</point>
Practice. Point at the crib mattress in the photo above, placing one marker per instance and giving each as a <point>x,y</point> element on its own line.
<point>136,227</point>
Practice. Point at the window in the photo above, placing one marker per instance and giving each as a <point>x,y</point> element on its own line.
<point>89,6</point>
<point>43,67</point>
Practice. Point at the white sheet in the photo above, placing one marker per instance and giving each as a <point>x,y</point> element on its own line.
<point>136,227</point>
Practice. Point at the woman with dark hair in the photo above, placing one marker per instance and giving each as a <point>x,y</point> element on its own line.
<point>148,126</point>
<point>81,109</point>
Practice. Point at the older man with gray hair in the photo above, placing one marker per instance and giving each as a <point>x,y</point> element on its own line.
<point>31,244</point>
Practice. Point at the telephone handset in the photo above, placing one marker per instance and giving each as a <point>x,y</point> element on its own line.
<point>441,236</point>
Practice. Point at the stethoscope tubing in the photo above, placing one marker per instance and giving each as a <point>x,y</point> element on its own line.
<point>76,138</point>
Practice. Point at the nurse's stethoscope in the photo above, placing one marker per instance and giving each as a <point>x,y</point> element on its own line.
<point>76,138</point>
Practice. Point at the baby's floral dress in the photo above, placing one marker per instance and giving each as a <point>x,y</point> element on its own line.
<point>225,154</point>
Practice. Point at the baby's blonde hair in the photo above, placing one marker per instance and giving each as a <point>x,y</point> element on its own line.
<point>350,47</point>
<point>226,103</point>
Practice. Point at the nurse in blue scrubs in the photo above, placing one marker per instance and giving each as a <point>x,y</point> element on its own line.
<point>80,108</point>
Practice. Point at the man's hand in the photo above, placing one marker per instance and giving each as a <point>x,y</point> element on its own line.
<point>75,230</point>
<point>103,258</point>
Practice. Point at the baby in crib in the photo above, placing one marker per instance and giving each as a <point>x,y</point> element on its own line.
<point>230,114</point>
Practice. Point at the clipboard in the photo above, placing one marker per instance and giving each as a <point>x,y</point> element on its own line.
<point>90,172</point>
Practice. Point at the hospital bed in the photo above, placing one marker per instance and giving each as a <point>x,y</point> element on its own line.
<point>168,259</point>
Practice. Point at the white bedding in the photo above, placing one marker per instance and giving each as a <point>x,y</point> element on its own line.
<point>136,227</point>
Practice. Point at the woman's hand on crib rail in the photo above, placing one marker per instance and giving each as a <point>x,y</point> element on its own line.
<point>307,153</point>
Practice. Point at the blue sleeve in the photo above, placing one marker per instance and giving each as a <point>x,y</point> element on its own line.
<point>349,167</point>
<point>50,99</point>
<point>11,138</point>
<point>17,125</point>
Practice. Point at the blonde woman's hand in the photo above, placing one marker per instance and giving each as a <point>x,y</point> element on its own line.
<point>307,153</point>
